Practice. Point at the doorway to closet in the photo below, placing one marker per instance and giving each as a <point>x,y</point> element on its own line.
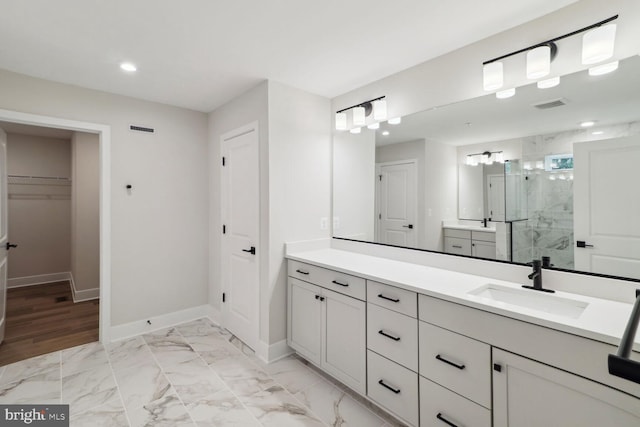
<point>51,201</point>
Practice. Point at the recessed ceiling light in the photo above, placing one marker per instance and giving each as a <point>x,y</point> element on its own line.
<point>128,66</point>
<point>587,124</point>
<point>385,133</point>
<point>598,132</point>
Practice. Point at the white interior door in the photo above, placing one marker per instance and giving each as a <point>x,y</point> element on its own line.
<point>495,200</point>
<point>240,216</point>
<point>397,203</point>
<point>607,206</point>
<point>3,232</point>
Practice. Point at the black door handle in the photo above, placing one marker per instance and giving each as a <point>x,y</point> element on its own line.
<point>583,244</point>
<point>252,251</point>
<point>408,226</point>
<point>10,245</point>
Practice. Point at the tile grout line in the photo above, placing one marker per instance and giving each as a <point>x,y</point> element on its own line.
<point>220,378</point>
<point>115,380</point>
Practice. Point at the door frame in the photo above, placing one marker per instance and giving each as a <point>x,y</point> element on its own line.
<point>104,141</point>
<point>256,303</point>
<point>378,195</point>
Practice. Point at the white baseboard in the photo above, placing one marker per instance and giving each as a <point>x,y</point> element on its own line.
<point>143,326</point>
<point>19,282</point>
<point>83,295</point>
<point>271,353</point>
<point>214,314</point>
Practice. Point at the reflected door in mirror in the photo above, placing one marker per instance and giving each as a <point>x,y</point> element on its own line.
<point>396,199</point>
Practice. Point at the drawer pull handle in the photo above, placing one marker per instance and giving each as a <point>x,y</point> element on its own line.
<point>395,390</point>
<point>382,332</point>
<point>456,246</point>
<point>440,358</point>
<point>306,273</point>
<point>389,299</point>
<point>338,283</point>
<point>444,420</point>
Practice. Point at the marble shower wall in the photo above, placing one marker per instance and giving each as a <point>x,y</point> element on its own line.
<point>549,228</point>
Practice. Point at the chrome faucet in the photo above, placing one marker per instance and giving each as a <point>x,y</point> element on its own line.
<point>536,276</point>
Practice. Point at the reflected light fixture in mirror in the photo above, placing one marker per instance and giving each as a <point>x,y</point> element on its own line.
<point>548,83</point>
<point>395,121</point>
<point>507,93</point>
<point>599,70</point>
<point>492,76</point>
<point>598,44</point>
<point>356,130</point>
<point>341,121</point>
<point>359,118</point>
<point>374,126</point>
<point>380,110</point>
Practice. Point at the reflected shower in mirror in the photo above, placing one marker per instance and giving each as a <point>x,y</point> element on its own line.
<point>553,186</point>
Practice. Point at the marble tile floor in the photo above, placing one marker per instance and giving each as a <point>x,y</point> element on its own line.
<point>194,374</point>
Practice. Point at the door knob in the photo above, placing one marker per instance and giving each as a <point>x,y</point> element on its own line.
<point>252,251</point>
<point>10,245</point>
<point>583,244</point>
<point>408,226</point>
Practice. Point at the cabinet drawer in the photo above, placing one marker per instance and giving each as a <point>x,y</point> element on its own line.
<point>393,335</point>
<point>485,236</point>
<point>338,282</point>
<point>454,245</point>
<point>396,299</point>
<point>439,406</point>
<point>393,387</point>
<point>456,362</point>
<point>460,234</point>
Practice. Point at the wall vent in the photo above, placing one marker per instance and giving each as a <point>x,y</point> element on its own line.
<point>551,104</point>
<point>137,128</point>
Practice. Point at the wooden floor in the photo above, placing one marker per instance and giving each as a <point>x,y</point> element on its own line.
<point>43,318</point>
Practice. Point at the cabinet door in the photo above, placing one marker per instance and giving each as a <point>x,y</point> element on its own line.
<point>455,245</point>
<point>483,249</point>
<point>527,394</point>
<point>304,324</point>
<point>344,339</point>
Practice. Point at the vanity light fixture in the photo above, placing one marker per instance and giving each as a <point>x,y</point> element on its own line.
<point>341,121</point>
<point>598,44</point>
<point>374,126</point>
<point>356,130</point>
<point>507,93</point>
<point>486,158</point>
<point>549,83</point>
<point>128,67</point>
<point>599,70</point>
<point>360,112</point>
<point>395,121</point>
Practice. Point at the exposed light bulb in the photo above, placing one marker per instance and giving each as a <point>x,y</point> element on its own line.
<point>128,66</point>
<point>538,62</point>
<point>598,44</point>
<point>549,83</point>
<point>356,130</point>
<point>395,121</point>
<point>341,121</point>
<point>599,70</point>
<point>374,126</point>
<point>380,109</point>
<point>492,76</point>
<point>507,93</point>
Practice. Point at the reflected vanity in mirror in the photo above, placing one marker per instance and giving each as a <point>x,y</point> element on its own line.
<point>511,179</point>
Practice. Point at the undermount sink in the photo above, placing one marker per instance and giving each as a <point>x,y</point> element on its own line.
<point>547,303</point>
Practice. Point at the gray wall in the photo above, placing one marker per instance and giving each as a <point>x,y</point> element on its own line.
<point>40,225</point>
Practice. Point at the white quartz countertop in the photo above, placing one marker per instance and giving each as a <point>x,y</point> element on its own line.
<point>602,320</point>
<point>471,227</point>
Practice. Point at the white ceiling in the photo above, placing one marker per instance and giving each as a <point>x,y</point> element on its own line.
<point>200,54</point>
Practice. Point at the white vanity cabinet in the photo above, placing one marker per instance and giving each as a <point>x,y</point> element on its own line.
<point>327,327</point>
<point>480,244</point>
<point>529,393</point>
